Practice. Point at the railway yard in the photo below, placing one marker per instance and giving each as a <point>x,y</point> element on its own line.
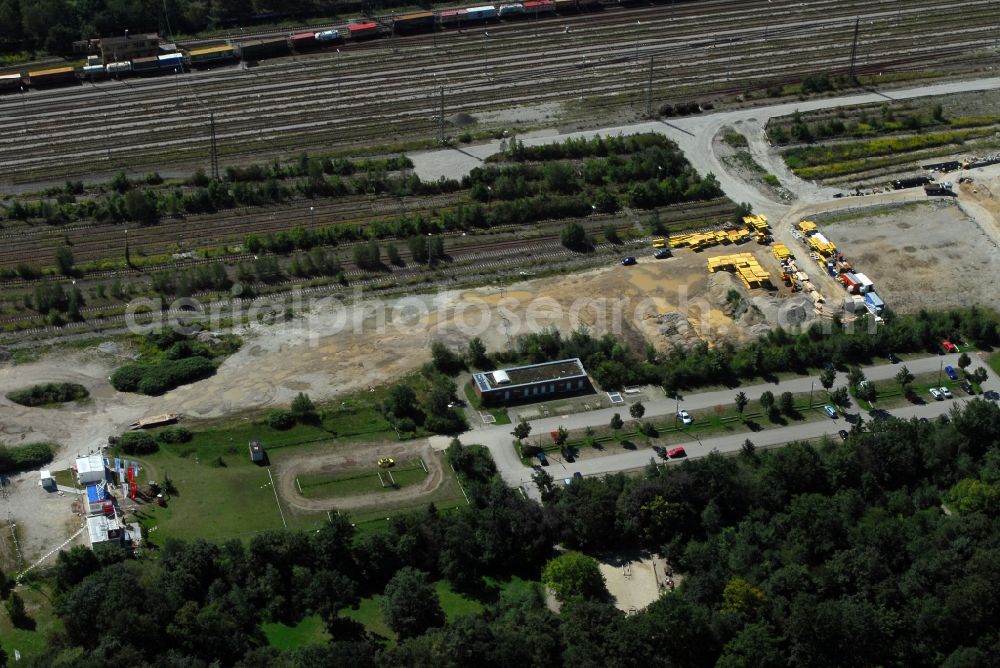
<point>375,111</point>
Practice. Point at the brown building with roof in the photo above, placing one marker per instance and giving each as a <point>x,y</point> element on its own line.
<point>127,47</point>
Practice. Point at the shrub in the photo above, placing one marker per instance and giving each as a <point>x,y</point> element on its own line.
<point>174,435</point>
<point>24,457</point>
<point>49,393</point>
<point>137,443</point>
<point>127,378</point>
<point>279,418</point>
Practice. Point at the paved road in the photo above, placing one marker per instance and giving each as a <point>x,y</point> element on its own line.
<point>498,439</point>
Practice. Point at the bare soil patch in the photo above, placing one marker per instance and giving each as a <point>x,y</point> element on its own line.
<point>929,255</point>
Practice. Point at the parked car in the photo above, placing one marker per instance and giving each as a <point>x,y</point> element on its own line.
<point>843,434</point>
<point>542,459</point>
<point>948,346</point>
<point>677,452</point>
<point>950,370</point>
<point>992,395</point>
<point>936,393</point>
<point>661,253</point>
<point>567,454</point>
<point>684,417</point>
<point>946,392</point>
<point>830,410</point>
<point>660,450</point>
<point>628,260</point>
<point>967,387</point>
<point>892,358</point>
<point>577,474</point>
<point>386,462</point>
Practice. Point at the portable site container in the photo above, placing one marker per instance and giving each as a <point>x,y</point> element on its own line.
<point>865,284</point>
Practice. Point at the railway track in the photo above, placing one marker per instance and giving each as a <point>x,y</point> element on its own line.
<point>695,42</point>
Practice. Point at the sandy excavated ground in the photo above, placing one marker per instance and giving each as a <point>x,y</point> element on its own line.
<point>333,349</point>
<point>927,256</point>
<point>642,584</point>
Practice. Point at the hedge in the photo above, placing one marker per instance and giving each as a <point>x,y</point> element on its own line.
<point>137,443</point>
<point>163,376</point>
<point>23,457</point>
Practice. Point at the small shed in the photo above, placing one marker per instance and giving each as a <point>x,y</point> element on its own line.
<point>256,451</point>
<point>90,469</point>
<point>46,480</point>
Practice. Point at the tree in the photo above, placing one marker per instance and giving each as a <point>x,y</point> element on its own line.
<point>393,253</point>
<point>401,402</point>
<point>574,237</point>
<point>964,361</point>
<point>444,359</point>
<point>573,575</point>
<point>410,604</point>
<point>980,375</point>
<point>73,565</point>
<point>140,206</point>
<point>477,354</point>
<point>304,409</point>
<point>637,410</point>
<point>787,403</point>
<point>280,419</point>
<point>840,396</point>
<point>904,378</point>
<point>767,401</point>
<point>64,260</point>
<point>543,481</point>
<point>15,608</point>
<point>521,430</point>
<point>827,378</point>
<point>611,234</point>
<point>418,248</point>
<point>749,449</point>
<point>616,422</point>
<point>741,403</point>
<point>855,376</point>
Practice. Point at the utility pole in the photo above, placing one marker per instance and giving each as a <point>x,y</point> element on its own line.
<point>441,116</point>
<point>854,48</point>
<point>649,90</point>
<point>215,149</point>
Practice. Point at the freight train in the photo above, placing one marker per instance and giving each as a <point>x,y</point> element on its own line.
<point>261,49</point>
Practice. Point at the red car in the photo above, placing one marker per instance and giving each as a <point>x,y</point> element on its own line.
<point>948,346</point>
<point>674,453</point>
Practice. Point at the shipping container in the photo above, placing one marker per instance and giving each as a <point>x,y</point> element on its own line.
<point>865,284</point>
<point>51,77</point>
<point>211,56</point>
<point>267,48</point>
<point>409,24</point>
<point>303,41</point>
<point>363,30</point>
<point>144,65</point>
<point>874,303</point>
<point>11,82</point>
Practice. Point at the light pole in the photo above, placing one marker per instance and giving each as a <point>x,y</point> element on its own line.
<point>486,54</point>
<point>312,216</point>
<point>812,386</point>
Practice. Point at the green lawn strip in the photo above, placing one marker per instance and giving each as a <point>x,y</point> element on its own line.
<point>369,613</point>
<point>889,394</point>
<point>309,631</point>
<point>329,485</point>
<point>30,642</point>
<point>65,478</point>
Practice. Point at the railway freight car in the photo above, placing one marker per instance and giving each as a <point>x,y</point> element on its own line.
<point>266,48</point>
<point>212,55</point>
<point>118,69</point>
<point>94,72</point>
<point>482,13</point>
<point>536,7</point>
<point>56,76</point>
<point>452,18</point>
<point>10,83</point>
<point>147,65</point>
<point>303,41</point>
<point>411,24</point>
<point>511,11</point>
<point>366,30</point>
<point>329,37</point>
<point>171,62</point>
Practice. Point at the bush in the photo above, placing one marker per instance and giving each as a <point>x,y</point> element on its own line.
<point>155,379</point>
<point>174,435</point>
<point>24,457</point>
<point>137,443</point>
<point>281,419</point>
<point>127,378</point>
<point>49,393</point>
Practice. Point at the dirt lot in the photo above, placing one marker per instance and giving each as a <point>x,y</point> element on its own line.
<point>927,255</point>
<point>354,459</point>
<point>634,581</point>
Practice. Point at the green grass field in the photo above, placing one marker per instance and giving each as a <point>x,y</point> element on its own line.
<point>310,631</point>
<point>363,481</point>
<point>30,642</point>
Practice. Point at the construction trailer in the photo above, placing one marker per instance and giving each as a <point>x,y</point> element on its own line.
<point>874,303</point>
